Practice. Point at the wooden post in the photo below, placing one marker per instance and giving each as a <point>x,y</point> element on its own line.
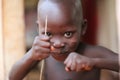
<point>118,25</point>
<point>107,31</point>
<point>2,68</point>
<point>13,47</point>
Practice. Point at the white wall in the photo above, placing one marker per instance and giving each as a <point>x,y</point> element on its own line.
<point>2,72</point>
<point>108,31</point>
<point>12,45</point>
<point>118,24</point>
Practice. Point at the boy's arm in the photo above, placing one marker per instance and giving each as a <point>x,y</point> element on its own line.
<point>22,67</point>
<point>40,50</point>
<point>92,57</point>
<point>106,59</point>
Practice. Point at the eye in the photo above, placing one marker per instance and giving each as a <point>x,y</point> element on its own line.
<point>68,34</point>
<point>49,34</point>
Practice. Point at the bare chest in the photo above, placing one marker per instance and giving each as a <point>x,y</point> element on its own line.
<point>56,71</point>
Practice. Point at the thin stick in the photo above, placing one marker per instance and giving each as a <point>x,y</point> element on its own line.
<point>42,63</point>
<point>46,25</point>
<point>41,70</point>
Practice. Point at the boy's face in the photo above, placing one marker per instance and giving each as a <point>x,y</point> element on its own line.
<point>63,32</point>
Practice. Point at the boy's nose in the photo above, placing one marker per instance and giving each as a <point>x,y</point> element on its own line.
<point>57,43</point>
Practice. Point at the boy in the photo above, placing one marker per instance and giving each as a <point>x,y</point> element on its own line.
<point>66,57</point>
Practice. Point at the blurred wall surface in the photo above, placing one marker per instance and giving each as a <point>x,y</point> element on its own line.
<point>118,24</point>
<point>107,31</point>
<point>12,46</point>
<point>2,71</point>
<point>102,28</point>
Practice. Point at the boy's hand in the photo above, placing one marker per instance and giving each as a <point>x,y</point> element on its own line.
<point>40,48</point>
<point>77,62</point>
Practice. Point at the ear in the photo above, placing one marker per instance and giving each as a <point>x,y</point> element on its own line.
<point>84,27</point>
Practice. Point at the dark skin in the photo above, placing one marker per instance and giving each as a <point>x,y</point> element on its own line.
<point>71,59</point>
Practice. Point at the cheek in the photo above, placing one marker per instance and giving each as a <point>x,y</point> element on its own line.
<point>73,43</point>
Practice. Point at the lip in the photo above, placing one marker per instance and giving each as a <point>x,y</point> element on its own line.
<point>56,52</point>
<point>60,52</point>
<point>56,55</point>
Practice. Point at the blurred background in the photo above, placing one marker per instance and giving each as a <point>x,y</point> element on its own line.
<point>18,29</point>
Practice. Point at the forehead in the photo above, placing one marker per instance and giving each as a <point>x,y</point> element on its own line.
<point>57,14</point>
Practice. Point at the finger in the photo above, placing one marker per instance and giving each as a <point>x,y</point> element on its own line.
<point>88,68</point>
<point>45,50</point>
<point>38,42</point>
<point>68,65</point>
<point>73,65</point>
<point>83,67</point>
<point>67,69</point>
<point>43,56</point>
<point>78,68</point>
<point>40,50</point>
<point>44,44</point>
<point>66,60</point>
<point>46,55</point>
<point>44,37</point>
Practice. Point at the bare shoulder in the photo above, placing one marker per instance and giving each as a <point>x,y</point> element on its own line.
<point>95,51</point>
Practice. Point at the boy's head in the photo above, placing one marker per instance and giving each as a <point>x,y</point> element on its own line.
<point>65,25</point>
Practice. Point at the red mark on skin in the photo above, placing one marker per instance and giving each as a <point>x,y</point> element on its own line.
<point>52,48</point>
<point>86,67</point>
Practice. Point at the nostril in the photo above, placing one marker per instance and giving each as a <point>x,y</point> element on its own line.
<point>60,45</point>
<point>57,42</point>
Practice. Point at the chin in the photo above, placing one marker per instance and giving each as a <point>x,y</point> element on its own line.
<point>60,58</point>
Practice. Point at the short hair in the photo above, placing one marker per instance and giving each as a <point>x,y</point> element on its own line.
<point>77,11</point>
